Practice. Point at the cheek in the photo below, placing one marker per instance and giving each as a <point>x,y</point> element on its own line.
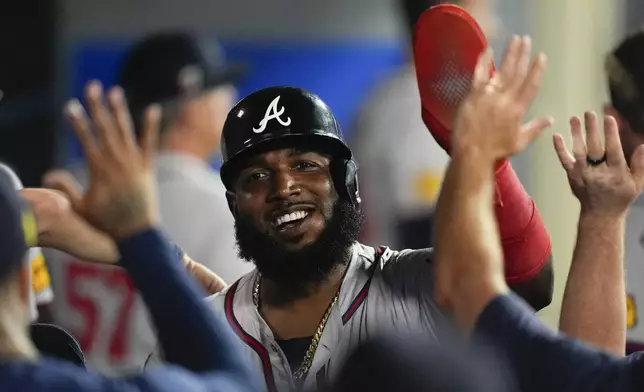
<point>329,196</point>
<point>251,206</point>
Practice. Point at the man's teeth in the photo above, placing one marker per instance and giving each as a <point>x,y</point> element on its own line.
<point>291,217</point>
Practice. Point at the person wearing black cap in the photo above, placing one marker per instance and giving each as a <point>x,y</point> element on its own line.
<point>121,202</point>
<point>190,78</point>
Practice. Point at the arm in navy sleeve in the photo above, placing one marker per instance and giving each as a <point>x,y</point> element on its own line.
<point>49,375</point>
<point>189,332</point>
<point>544,360</point>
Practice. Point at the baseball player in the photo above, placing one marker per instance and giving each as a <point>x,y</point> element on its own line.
<point>193,82</point>
<point>601,304</point>
<point>43,294</point>
<point>292,187</point>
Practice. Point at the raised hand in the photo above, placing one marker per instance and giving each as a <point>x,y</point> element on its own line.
<point>600,176</point>
<point>490,119</point>
<point>61,227</point>
<point>49,207</point>
<point>120,199</point>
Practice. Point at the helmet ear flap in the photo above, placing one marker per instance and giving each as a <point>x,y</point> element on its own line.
<point>345,179</point>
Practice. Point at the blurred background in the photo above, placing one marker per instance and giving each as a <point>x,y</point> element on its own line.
<point>341,50</point>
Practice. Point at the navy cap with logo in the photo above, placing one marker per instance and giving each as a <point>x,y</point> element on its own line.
<point>17,228</point>
<point>278,113</point>
<point>170,65</point>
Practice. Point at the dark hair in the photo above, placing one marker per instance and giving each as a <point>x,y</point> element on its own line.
<point>54,341</point>
<point>412,10</point>
<point>625,72</point>
<point>169,114</point>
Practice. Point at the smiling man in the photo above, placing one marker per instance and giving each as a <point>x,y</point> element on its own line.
<point>316,293</point>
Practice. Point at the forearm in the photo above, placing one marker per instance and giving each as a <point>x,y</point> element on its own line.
<point>594,303</point>
<point>80,239</point>
<point>524,238</point>
<point>466,229</point>
<point>73,235</point>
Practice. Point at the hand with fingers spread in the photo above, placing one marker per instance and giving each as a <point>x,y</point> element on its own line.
<point>487,129</point>
<point>490,119</point>
<point>600,176</point>
<point>120,199</point>
<point>594,304</point>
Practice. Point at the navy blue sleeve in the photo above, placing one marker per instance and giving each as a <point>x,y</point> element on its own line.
<point>544,360</point>
<point>190,334</point>
<point>56,375</point>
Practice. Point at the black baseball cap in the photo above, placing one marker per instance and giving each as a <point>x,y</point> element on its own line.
<point>18,230</point>
<point>169,65</point>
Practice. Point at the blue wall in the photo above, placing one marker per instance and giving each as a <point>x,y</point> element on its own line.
<point>342,73</point>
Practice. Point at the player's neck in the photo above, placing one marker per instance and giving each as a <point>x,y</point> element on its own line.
<point>15,342</point>
<point>299,317</point>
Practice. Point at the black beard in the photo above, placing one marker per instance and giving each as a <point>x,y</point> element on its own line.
<point>297,272</point>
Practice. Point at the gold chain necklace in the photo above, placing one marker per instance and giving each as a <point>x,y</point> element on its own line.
<point>303,370</point>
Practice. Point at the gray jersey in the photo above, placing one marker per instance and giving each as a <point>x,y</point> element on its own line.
<point>634,251</point>
<point>383,291</point>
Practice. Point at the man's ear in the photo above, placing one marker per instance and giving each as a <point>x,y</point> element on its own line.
<point>232,203</point>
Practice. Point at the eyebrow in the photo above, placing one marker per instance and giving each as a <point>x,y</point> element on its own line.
<point>296,151</point>
<point>251,161</point>
<point>301,151</point>
<point>256,160</point>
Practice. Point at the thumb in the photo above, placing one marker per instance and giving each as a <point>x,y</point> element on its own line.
<point>530,130</point>
<point>637,166</point>
<point>63,181</point>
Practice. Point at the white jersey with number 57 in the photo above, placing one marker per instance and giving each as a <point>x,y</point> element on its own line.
<point>383,291</point>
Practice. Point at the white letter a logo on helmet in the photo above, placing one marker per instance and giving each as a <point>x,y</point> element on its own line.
<point>272,114</point>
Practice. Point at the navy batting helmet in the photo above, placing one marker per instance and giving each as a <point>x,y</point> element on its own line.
<point>286,116</point>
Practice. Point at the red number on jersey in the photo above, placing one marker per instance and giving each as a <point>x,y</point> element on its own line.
<point>114,278</point>
<point>76,272</point>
